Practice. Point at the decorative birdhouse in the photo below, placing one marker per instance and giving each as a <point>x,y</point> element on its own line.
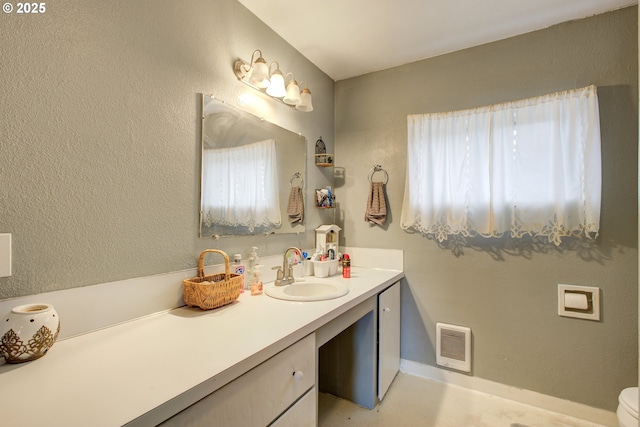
<point>327,237</point>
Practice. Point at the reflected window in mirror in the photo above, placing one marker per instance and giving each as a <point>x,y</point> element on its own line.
<point>247,165</point>
<point>240,187</point>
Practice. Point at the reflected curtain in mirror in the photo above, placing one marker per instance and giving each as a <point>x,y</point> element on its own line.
<point>240,186</point>
<point>229,190</point>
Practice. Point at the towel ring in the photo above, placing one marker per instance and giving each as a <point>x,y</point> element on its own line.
<point>293,178</point>
<point>378,168</point>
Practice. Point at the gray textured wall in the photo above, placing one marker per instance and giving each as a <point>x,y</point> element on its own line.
<point>99,151</point>
<point>505,290</point>
<point>99,171</point>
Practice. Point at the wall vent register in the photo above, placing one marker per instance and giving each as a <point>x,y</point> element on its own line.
<point>453,347</point>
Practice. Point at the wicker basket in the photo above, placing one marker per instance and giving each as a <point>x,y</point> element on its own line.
<point>217,290</point>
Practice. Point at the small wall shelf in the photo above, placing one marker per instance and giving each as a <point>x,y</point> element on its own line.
<point>324,160</point>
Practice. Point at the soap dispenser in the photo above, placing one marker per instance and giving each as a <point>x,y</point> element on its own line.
<point>254,255</point>
<point>255,275</point>
<point>256,280</point>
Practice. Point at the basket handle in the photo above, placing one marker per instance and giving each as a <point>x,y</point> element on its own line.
<point>201,263</point>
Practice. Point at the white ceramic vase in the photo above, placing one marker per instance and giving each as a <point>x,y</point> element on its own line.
<point>28,332</point>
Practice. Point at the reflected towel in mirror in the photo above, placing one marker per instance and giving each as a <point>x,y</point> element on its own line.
<point>295,207</point>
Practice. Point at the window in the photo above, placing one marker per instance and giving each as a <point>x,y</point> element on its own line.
<point>529,167</point>
<point>240,187</point>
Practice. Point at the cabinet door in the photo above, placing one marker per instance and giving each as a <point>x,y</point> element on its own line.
<point>388,338</point>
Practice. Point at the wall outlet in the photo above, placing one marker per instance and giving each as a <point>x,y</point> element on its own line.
<point>5,254</point>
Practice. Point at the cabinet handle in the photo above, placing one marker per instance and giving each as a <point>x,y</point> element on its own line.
<point>298,375</point>
<point>386,309</point>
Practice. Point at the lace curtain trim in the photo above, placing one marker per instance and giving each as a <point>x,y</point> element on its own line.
<point>553,230</point>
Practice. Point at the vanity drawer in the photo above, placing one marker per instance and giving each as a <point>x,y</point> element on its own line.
<point>259,396</point>
<point>303,414</point>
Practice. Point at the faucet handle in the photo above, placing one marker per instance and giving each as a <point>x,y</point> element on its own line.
<point>279,273</point>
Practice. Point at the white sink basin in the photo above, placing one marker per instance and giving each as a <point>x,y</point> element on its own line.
<point>312,290</point>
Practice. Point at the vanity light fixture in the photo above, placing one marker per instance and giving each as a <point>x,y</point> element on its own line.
<point>259,76</point>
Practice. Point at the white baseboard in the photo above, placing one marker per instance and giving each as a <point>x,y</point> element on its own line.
<point>550,403</point>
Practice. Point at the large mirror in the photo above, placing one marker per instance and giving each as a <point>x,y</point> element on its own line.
<point>253,174</point>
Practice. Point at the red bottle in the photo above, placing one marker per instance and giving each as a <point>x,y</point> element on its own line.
<point>346,266</point>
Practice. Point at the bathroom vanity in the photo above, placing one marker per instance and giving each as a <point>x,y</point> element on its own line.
<point>253,362</point>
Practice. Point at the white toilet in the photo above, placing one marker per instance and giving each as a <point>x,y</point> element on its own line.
<point>628,407</point>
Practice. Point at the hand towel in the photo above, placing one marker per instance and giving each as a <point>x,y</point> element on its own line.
<point>295,208</point>
<point>376,205</point>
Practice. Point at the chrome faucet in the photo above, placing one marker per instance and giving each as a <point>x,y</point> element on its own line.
<point>284,275</point>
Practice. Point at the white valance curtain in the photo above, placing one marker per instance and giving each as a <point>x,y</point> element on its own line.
<point>240,186</point>
<point>526,167</point>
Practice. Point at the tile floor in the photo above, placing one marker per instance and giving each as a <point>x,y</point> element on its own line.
<point>413,401</point>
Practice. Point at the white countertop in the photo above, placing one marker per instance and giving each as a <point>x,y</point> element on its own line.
<point>115,375</point>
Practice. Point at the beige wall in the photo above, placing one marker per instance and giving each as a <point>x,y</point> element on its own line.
<point>505,290</point>
<point>99,151</point>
